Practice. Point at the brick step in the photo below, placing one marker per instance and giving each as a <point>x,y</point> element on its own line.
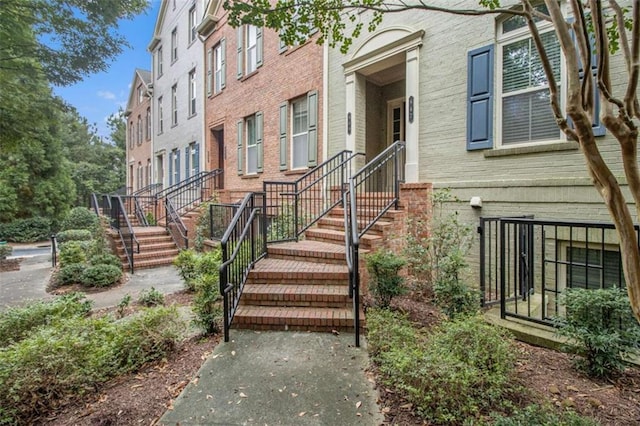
<point>294,318</point>
<point>308,250</point>
<point>147,246</point>
<point>172,253</point>
<point>326,296</point>
<point>282,271</point>
<point>337,223</point>
<point>390,214</point>
<point>334,236</point>
<point>149,263</point>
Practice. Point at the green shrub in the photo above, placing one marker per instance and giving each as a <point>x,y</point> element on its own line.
<point>187,264</point>
<point>460,372</point>
<point>72,252</point>
<point>26,230</point>
<point>5,251</point>
<point>151,297</point>
<point>73,235</point>
<point>151,220</point>
<point>387,329</point>
<point>106,259</point>
<point>206,303</point>
<point>77,354</point>
<point>601,329</point>
<point>79,218</point>
<point>537,415</point>
<point>384,279</point>
<point>452,294</point>
<point>69,274</point>
<point>124,303</point>
<point>101,275</point>
<point>19,322</point>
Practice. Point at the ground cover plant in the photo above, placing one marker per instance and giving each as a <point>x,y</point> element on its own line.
<point>72,355</point>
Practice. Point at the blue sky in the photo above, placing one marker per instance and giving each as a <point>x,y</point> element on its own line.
<point>100,95</point>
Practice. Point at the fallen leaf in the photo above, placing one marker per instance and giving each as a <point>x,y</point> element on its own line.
<point>209,396</point>
<point>359,414</point>
<point>386,410</point>
<point>302,413</point>
<point>407,406</point>
<point>136,386</point>
<point>195,380</point>
<point>242,395</point>
<point>233,353</point>
<point>358,404</point>
<point>293,394</point>
<point>335,332</point>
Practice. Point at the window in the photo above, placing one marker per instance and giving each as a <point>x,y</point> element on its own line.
<point>298,132</point>
<point>192,159</point>
<point>192,24</point>
<point>192,92</point>
<point>139,130</point>
<point>131,135</point>
<point>592,268</point>
<point>249,50</point>
<point>249,138</point>
<point>148,124</point>
<point>526,115</point>
<point>209,71</point>
<point>174,105</point>
<point>174,166</point>
<point>216,75</point>
<point>148,173</point>
<point>139,176</point>
<point>160,116</point>
<point>159,61</point>
<point>174,45</point>
<point>140,94</point>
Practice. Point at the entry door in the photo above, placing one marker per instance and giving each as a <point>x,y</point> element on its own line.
<point>160,169</point>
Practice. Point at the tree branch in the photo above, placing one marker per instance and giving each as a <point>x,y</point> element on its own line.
<point>632,56</point>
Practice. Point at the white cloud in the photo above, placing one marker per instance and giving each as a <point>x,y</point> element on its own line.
<point>105,94</point>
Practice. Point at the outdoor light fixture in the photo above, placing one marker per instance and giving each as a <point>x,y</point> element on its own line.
<point>476,202</point>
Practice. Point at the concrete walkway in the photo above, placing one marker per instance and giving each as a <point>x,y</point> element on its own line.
<point>280,378</point>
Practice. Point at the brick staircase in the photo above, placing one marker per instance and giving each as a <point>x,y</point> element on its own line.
<point>157,248</point>
<point>305,285</point>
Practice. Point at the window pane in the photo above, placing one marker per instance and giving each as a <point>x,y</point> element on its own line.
<point>516,22</point>
<point>252,159</point>
<point>583,273</point>
<point>251,131</point>
<point>528,117</point>
<point>300,113</point>
<point>300,151</point>
<point>522,68</point>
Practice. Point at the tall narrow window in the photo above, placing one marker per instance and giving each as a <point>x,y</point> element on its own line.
<point>140,94</point>
<point>160,116</point>
<point>209,71</point>
<point>174,105</point>
<point>192,24</point>
<point>252,146</point>
<point>300,133</point>
<point>192,92</point>
<point>219,66</point>
<point>132,136</point>
<point>251,48</point>
<point>139,130</point>
<point>159,62</point>
<point>194,159</point>
<point>174,45</point>
<point>148,124</point>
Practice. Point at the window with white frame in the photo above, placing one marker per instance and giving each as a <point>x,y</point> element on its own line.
<point>174,167</point>
<point>131,135</point>
<point>160,116</point>
<point>219,67</point>
<point>252,145</point>
<point>193,160</point>
<point>140,94</point>
<point>159,62</point>
<point>139,130</point>
<point>524,101</point>
<point>209,82</point>
<point>192,24</point>
<point>174,105</point>
<point>139,177</point>
<point>174,45</point>
<point>299,133</point>
<point>251,48</point>
<point>192,92</point>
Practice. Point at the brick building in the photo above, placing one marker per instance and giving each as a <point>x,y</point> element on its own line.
<point>263,105</point>
<point>139,134</point>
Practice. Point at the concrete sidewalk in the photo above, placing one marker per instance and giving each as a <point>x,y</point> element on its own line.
<point>280,378</point>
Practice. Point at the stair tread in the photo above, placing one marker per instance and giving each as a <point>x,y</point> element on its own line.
<point>335,232</point>
<point>309,246</point>
<point>295,289</point>
<point>294,266</point>
<point>300,311</point>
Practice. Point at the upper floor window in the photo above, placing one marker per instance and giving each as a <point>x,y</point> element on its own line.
<point>192,24</point>
<point>160,116</point>
<point>299,132</point>
<point>139,130</point>
<point>159,62</point>
<point>174,45</point>
<point>131,135</point>
<point>148,124</point>
<point>192,92</point>
<point>524,101</point>
<point>249,49</point>
<point>249,136</point>
<point>216,77</point>
<point>140,94</point>
<point>174,105</point>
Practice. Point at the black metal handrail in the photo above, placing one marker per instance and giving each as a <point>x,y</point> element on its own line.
<point>293,207</point>
<point>148,190</point>
<point>101,204</point>
<point>220,216</point>
<point>175,224</point>
<point>189,193</point>
<point>243,244</point>
<point>378,185</point>
<point>120,222</point>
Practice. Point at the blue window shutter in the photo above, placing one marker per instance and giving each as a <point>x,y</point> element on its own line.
<point>258,47</point>
<point>170,168</point>
<point>312,100</point>
<point>240,52</point>
<point>196,167</point>
<point>186,163</point>
<point>480,98</point>
<point>283,135</point>
<point>259,144</point>
<point>223,63</point>
<point>240,128</point>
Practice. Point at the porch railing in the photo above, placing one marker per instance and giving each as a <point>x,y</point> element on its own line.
<point>149,190</point>
<point>101,204</point>
<point>175,225</point>
<point>243,244</point>
<point>120,222</point>
<point>220,216</point>
<point>192,191</point>
<point>373,190</point>
<point>293,207</point>
<point>533,261</point>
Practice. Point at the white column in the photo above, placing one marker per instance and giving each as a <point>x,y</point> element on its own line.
<point>412,124</point>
